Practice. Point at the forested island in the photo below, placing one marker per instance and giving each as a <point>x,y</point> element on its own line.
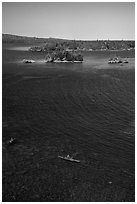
<point>64,56</point>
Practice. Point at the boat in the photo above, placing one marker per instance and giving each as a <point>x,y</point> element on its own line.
<point>125,61</point>
<point>11,141</point>
<point>114,61</point>
<point>111,61</point>
<point>28,61</point>
<point>68,158</point>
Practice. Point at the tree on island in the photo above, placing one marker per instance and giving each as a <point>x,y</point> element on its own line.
<point>64,56</point>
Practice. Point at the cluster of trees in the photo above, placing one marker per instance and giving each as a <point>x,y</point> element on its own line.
<point>85,45</point>
<point>64,56</point>
<point>55,46</point>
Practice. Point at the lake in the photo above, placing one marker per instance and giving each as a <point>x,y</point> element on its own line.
<point>86,110</point>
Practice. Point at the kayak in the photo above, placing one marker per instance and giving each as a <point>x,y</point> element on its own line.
<point>68,158</point>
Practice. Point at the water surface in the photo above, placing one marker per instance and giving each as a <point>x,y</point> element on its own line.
<point>85,110</point>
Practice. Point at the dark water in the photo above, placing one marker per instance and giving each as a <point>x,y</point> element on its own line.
<point>85,110</point>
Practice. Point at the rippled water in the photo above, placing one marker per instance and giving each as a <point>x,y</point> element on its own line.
<point>84,109</point>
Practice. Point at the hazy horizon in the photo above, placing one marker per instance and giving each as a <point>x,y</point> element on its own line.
<point>70,39</point>
<point>70,20</point>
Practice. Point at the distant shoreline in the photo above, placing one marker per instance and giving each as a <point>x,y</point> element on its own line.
<point>26,48</point>
<point>50,44</point>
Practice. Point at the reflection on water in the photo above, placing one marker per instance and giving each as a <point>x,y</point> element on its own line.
<point>19,48</point>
